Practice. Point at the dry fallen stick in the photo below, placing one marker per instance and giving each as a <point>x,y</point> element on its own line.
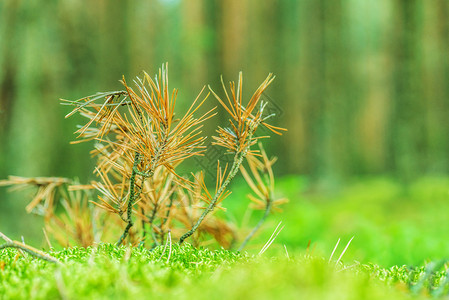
<point>3,236</point>
<point>8,240</point>
<point>28,249</point>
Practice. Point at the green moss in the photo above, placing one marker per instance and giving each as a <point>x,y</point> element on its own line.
<point>107,272</point>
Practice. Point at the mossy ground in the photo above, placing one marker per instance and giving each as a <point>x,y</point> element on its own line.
<point>399,252</point>
<point>107,272</point>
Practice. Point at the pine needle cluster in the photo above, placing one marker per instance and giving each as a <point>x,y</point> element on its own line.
<point>139,143</point>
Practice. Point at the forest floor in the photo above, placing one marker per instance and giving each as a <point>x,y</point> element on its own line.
<point>399,251</point>
<point>107,272</point>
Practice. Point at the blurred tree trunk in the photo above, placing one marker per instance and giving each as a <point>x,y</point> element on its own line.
<point>341,92</point>
<point>293,81</point>
<point>261,57</point>
<point>233,36</point>
<point>8,15</point>
<point>143,14</point>
<point>407,133</point>
<point>435,77</point>
<point>113,35</point>
<point>194,41</point>
<point>313,73</point>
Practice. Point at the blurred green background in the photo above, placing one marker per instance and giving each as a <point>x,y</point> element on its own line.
<point>362,86</point>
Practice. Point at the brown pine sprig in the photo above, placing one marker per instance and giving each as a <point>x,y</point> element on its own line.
<point>159,137</point>
<point>99,114</point>
<point>139,144</point>
<point>237,139</point>
<point>148,125</point>
<point>244,119</point>
<point>75,224</point>
<point>138,133</point>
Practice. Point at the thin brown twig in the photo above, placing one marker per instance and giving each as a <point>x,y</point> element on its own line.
<point>7,239</point>
<point>30,250</point>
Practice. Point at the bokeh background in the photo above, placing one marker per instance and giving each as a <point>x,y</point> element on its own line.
<point>362,86</point>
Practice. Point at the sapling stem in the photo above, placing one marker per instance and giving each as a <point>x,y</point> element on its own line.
<point>238,160</point>
<point>261,221</point>
<point>131,199</point>
<point>164,220</point>
<point>144,231</point>
<point>235,167</point>
<point>151,221</point>
<point>269,204</point>
<point>132,194</point>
